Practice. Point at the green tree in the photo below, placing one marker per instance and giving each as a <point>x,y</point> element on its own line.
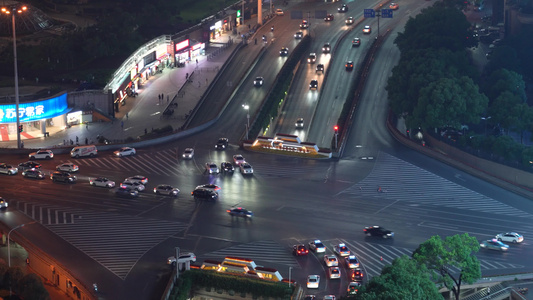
<point>438,26</point>
<point>32,288</point>
<point>417,69</point>
<point>403,279</point>
<point>503,110</point>
<point>448,102</point>
<point>12,277</point>
<point>441,257</point>
<point>503,80</point>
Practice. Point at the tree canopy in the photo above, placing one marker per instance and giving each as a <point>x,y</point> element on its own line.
<point>450,261</point>
<point>403,279</point>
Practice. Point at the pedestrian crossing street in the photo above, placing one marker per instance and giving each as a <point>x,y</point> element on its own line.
<point>168,162</point>
<point>402,181</point>
<point>372,256</point>
<point>116,241</point>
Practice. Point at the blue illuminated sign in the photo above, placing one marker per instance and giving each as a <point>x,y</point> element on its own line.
<point>34,111</point>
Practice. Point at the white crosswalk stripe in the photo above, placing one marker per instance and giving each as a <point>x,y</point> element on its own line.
<point>402,181</point>
<point>262,252</point>
<point>115,241</point>
<point>374,257</point>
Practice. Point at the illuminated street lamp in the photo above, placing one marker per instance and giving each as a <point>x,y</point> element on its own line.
<point>8,248</point>
<point>12,10</point>
<point>245,106</point>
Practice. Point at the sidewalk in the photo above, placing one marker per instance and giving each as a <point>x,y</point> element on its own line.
<point>143,113</point>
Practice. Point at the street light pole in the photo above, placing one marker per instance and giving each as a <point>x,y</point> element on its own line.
<point>485,119</point>
<point>8,247</point>
<point>247,107</point>
<point>12,10</point>
<point>290,269</point>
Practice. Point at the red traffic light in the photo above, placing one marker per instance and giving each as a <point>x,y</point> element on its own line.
<point>336,128</point>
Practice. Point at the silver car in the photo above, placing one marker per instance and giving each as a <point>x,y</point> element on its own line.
<point>8,169</point>
<point>188,153</point>
<point>166,189</point>
<point>137,178</point>
<point>137,186</point>
<point>41,154</point>
<point>102,182</point>
<point>68,167</point>
<point>211,168</point>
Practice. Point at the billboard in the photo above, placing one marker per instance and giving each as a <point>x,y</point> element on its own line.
<point>34,111</point>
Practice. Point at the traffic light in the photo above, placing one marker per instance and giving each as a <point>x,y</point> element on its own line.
<point>336,128</point>
<point>21,128</point>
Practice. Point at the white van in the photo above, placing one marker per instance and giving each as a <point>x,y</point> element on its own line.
<point>80,151</point>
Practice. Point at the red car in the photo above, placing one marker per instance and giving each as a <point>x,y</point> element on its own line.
<point>299,250</point>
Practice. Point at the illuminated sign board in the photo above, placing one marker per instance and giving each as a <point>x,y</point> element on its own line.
<point>34,111</point>
<point>182,45</point>
<point>198,46</point>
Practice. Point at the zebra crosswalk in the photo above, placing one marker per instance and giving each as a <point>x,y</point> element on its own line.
<point>262,252</point>
<point>116,241</point>
<point>395,179</point>
<point>157,162</point>
<point>375,256</point>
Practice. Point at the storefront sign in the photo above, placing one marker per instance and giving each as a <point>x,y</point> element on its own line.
<point>182,45</point>
<point>34,111</point>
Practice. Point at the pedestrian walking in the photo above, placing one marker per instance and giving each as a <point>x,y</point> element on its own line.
<point>145,131</point>
<point>197,61</point>
<point>206,82</point>
<point>77,139</point>
<point>186,76</point>
<point>21,144</point>
<point>71,142</point>
<point>86,125</point>
<point>127,116</point>
<point>159,97</point>
<point>122,125</point>
<point>86,141</point>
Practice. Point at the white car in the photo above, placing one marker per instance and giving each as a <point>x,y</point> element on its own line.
<point>188,153</point>
<point>317,246</point>
<point>246,168</point>
<point>102,182</point>
<point>511,237</point>
<point>41,154</point>
<point>211,168</point>
<point>299,123</point>
<point>137,178</point>
<point>137,186</point>
<point>367,29</point>
<point>68,167</point>
<point>166,189</point>
<point>125,151</point>
<point>313,281</point>
<point>3,203</point>
<point>331,261</point>
<point>352,262</point>
<point>341,249</point>
<point>191,257</point>
<point>334,273</point>
<point>329,297</point>
<point>279,12</point>
<point>8,169</point>
<point>238,159</point>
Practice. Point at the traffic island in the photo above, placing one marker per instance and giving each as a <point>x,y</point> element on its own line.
<point>286,144</point>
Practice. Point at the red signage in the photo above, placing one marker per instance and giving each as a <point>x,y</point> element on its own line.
<point>182,45</point>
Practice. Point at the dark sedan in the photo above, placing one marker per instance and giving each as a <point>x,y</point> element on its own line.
<point>378,231</point>
<point>240,212</point>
